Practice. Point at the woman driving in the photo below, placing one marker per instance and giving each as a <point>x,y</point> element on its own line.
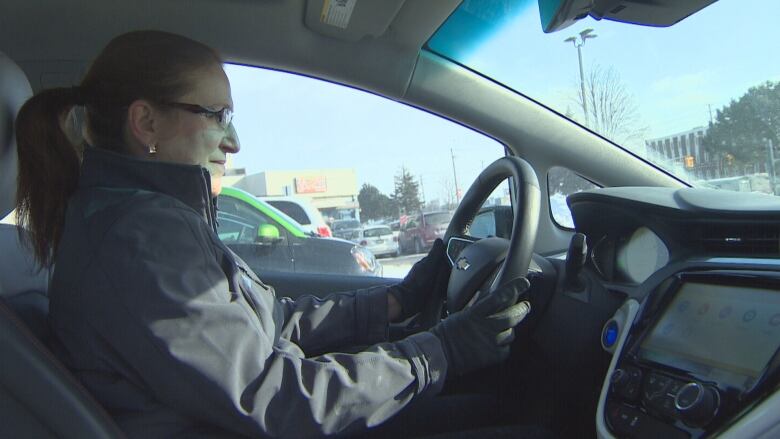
<point>170,330</point>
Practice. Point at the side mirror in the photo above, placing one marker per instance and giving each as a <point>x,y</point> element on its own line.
<point>267,234</point>
<point>484,224</point>
<point>492,221</point>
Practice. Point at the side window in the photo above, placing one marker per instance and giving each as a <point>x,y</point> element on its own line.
<point>293,210</point>
<point>358,158</point>
<point>233,229</point>
<point>561,183</point>
<point>240,223</point>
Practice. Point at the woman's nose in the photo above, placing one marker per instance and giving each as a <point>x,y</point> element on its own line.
<point>230,145</point>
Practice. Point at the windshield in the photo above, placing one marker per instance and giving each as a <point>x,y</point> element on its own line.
<point>377,231</point>
<point>346,224</point>
<point>700,99</point>
<point>438,218</point>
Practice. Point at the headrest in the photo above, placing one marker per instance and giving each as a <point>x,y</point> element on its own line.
<point>14,91</point>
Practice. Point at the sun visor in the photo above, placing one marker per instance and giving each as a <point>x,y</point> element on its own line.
<point>558,14</point>
<point>351,20</point>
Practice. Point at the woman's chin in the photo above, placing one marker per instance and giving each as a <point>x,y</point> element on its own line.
<point>216,185</point>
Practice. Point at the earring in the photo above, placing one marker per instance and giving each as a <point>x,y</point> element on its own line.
<point>152,149</point>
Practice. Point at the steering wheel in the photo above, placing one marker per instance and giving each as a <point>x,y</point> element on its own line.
<point>489,262</point>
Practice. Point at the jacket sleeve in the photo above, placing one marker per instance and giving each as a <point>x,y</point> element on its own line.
<point>204,351</point>
<point>339,320</point>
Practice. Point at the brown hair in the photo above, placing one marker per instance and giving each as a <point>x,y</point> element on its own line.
<point>151,65</point>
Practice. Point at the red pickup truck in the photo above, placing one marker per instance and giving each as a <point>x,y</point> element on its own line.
<point>419,232</point>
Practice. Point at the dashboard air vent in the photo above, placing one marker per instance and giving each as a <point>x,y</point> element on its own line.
<point>742,239</point>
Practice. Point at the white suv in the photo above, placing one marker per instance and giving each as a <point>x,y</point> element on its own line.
<point>301,210</point>
<point>379,239</point>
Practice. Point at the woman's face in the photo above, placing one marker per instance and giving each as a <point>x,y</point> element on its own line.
<point>198,138</point>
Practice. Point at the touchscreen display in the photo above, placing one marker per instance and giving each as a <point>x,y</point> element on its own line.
<point>724,333</point>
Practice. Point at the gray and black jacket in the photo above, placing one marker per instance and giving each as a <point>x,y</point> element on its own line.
<point>176,336</point>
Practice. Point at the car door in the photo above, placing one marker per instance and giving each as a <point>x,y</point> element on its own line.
<point>238,227</point>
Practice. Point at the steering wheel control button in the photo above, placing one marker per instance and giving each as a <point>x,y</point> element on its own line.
<point>696,403</point>
<point>609,335</point>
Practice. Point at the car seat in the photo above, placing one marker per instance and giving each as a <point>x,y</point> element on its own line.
<point>38,396</point>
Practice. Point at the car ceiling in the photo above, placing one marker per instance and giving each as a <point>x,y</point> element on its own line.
<point>377,51</point>
<point>54,41</point>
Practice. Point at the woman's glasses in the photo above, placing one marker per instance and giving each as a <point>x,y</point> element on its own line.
<point>223,116</point>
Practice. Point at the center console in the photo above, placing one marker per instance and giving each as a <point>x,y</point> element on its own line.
<point>695,356</point>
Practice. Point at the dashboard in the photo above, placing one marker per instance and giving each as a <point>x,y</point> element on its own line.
<point>696,346</point>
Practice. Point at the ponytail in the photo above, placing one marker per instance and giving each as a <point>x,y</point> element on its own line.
<point>49,166</point>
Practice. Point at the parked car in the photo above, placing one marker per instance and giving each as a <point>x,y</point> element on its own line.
<point>379,239</point>
<point>419,232</point>
<point>346,228</point>
<point>395,226</point>
<point>269,240</point>
<point>303,211</point>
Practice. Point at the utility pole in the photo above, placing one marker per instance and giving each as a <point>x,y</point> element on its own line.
<point>771,167</point>
<point>422,190</point>
<point>578,43</point>
<point>710,107</point>
<point>455,177</point>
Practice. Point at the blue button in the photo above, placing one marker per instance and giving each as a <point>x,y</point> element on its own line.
<point>610,334</point>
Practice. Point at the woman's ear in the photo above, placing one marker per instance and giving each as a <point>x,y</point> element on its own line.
<point>142,124</point>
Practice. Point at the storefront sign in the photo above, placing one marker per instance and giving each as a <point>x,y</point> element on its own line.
<point>310,185</point>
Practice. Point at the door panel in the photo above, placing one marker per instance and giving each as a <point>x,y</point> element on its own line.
<point>297,284</point>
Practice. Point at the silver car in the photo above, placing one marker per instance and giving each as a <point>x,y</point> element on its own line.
<point>379,239</point>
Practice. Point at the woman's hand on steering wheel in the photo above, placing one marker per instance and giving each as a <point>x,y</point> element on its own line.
<point>428,279</point>
<point>480,334</point>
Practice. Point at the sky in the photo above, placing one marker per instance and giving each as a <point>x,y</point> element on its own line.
<point>676,75</point>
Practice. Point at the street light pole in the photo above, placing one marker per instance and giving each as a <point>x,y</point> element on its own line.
<point>455,177</point>
<point>578,42</point>
<point>582,85</point>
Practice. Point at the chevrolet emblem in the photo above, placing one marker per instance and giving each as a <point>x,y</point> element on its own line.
<point>462,264</point>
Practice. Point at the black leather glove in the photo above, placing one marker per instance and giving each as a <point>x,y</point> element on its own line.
<point>428,277</point>
<point>480,335</point>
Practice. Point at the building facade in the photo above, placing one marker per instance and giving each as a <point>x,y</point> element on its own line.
<point>684,150</point>
<point>332,191</point>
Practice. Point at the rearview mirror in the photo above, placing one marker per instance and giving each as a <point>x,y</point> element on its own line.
<point>559,14</point>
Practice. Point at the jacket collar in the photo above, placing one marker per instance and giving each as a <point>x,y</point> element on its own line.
<point>190,184</point>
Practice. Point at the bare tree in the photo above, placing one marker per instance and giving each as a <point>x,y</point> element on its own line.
<point>612,110</point>
<point>448,193</point>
